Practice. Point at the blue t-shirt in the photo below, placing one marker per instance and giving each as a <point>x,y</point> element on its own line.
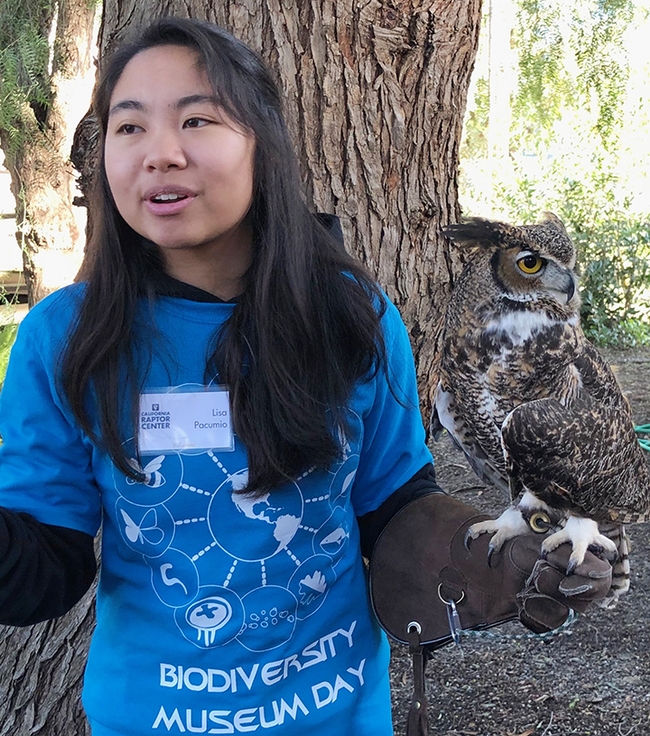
<point>216,613</point>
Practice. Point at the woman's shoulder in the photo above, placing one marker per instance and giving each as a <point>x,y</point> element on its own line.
<point>53,315</point>
<point>391,319</point>
<point>64,300</point>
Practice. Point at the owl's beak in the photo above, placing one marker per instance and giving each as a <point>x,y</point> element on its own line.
<point>561,281</point>
<point>570,289</point>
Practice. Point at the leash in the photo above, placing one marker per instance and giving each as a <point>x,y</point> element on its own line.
<point>417,723</point>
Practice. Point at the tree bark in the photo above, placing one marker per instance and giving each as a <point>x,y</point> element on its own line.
<point>41,675</point>
<point>375,94</point>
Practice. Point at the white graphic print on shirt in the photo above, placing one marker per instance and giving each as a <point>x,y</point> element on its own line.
<point>230,567</point>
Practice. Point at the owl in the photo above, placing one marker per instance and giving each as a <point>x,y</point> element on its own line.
<point>530,401</point>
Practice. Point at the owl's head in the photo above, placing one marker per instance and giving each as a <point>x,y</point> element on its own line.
<point>528,264</point>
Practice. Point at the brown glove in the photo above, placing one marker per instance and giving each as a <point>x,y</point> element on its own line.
<point>420,564</point>
<point>545,601</point>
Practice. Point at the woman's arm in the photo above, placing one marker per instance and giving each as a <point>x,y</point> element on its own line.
<point>44,569</point>
<point>372,524</point>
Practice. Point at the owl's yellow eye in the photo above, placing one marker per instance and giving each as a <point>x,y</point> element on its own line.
<point>530,264</point>
<point>539,522</point>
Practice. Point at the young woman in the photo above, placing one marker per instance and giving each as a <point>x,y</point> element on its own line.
<point>225,394</point>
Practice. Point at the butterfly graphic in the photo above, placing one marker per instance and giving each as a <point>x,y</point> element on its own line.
<point>147,531</point>
<point>153,478</point>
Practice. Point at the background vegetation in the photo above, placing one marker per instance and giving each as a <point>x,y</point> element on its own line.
<point>559,120</point>
<point>25,68</point>
<point>8,330</point>
<point>7,335</point>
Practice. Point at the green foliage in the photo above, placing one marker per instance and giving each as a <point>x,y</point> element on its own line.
<point>544,85</point>
<point>553,37</point>
<point>476,123</point>
<point>25,91</point>
<point>615,290</point>
<point>7,337</point>
<point>603,69</point>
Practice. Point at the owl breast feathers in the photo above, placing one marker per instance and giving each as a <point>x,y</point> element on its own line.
<point>530,401</point>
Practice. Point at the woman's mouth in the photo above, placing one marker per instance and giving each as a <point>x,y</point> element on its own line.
<point>165,202</point>
<point>168,197</point>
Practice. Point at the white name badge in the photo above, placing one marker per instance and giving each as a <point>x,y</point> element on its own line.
<point>185,420</point>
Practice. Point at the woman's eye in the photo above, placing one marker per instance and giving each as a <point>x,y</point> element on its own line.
<point>127,128</point>
<point>530,264</point>
<point>195,123</point>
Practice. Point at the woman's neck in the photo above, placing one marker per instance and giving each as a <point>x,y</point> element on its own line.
<point>217,267</point>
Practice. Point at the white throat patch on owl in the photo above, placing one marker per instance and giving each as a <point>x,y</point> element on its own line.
<point>523,325</point>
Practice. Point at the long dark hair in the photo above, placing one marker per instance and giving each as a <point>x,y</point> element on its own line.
<point>305,328</point>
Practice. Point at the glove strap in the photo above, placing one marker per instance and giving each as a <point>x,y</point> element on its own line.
<point>417,723</point>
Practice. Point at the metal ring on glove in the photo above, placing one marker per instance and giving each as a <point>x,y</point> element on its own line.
<point>451,600</point>
<point>413,626</point>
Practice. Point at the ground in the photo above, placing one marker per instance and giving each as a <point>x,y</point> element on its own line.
<point>591,680</point>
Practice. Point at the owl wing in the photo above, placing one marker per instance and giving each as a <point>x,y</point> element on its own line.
<point>446,416</point>
<point>598,380</point>
<point>580,454</point>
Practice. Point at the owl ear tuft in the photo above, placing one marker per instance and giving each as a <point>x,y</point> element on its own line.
<point>550,217</point>
<point>477,231</point>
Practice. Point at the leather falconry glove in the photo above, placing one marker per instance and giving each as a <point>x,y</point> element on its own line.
<point>426,586</point>
<point>420,565</point>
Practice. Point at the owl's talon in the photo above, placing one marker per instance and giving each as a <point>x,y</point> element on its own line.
<point>491,550</point>
<point>603,553</point>
<point>597,549</point>
<point>582,534</point>
<point>467,539</point>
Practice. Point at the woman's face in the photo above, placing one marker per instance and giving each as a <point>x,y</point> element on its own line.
<point>180,170</point>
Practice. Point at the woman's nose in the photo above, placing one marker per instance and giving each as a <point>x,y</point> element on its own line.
<point>164,151</point>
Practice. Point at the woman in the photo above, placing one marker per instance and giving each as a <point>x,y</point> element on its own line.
<point>225,394</point>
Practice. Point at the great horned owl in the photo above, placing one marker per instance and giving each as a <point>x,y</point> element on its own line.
<point>530,401</point>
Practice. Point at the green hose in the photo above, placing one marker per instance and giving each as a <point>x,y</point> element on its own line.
<point>644,429</point>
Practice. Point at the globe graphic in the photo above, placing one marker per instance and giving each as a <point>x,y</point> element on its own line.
<point>254,529</point>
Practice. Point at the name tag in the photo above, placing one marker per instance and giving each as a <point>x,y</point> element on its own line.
<point>185,420</point>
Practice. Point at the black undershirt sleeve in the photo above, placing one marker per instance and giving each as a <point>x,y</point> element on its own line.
<point>372,524</point>
<point>44,569</point>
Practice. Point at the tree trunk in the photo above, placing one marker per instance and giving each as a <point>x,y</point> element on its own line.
<point>41,675</point>
<point>43,665</point>
<point>375,95</point>
<point>50,230</point>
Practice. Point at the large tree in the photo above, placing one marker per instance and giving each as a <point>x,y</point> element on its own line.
<point>375,94</point>
<point>46,76</point>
